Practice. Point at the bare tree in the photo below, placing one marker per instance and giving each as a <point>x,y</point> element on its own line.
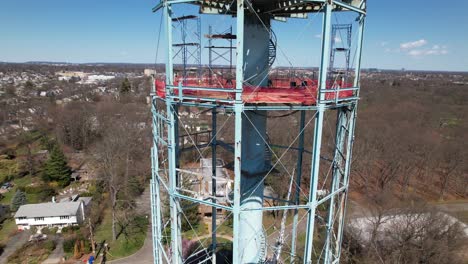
<point>75,124</point>
<point>122,156</point>
<point>413,234</point>
<point>449,161</point>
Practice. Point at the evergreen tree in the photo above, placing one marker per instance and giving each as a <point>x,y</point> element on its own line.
<point>18,200</point>
<point>125,87</point>
<point>29,85</point>
<point>56,168</point>
<point>190,217</point>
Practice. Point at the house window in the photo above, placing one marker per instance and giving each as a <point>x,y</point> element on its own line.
<point>64,217</point>
<point>38,218</point>
<point>22,218</point>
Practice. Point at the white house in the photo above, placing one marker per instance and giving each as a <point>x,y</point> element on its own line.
<point>50,214</point>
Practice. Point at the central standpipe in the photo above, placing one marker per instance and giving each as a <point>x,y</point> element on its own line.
<point>254,165</point>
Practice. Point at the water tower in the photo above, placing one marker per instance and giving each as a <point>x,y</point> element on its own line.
<point>231,174</point>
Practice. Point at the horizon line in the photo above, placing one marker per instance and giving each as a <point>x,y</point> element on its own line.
<point>162,63</point>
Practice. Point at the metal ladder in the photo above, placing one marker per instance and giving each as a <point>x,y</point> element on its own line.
<point>272,48</point>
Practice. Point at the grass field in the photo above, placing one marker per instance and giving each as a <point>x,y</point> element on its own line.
<point>25,181</point>
<point>8,227</point>
<point>124,245</point>
<point>8,168</point>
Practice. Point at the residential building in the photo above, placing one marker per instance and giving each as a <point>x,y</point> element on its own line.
<point>67,213</point>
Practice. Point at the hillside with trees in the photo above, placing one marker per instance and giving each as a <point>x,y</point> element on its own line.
<point>410,153</point>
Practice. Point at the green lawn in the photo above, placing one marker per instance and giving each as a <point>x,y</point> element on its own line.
<point>25,181</point>
<point>200,230</point>
<point>8,168</point>
<point>123,246</point>
<point>224,229</point>
<point>8,227</point>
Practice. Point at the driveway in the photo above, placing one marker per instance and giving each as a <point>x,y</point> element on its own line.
<point>14,244</point>
<point>56,256</point>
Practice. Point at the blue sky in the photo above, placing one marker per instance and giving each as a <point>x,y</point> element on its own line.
<point>417,34</point>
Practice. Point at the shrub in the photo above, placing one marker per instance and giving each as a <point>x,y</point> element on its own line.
<point>86,194</point>
<point>70,229</point>
<point>45,230</point>
<point>8,153</point>
<point>69,244</point>
<point>49,245</point>
<point>53,230</point>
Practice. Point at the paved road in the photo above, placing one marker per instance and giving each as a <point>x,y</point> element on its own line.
<point>56,256</point>
<point>13,244</point>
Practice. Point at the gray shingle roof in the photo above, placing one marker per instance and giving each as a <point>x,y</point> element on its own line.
<point>48,209</point>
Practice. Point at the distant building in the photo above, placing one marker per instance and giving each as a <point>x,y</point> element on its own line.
<point>69,212</point>
<point>70,74</point>
<point>95,78</point>
<point>150,72</point>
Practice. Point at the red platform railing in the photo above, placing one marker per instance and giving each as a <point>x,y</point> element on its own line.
<point>286,91</point>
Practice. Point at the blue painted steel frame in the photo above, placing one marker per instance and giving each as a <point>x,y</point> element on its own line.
<point>339,187</point>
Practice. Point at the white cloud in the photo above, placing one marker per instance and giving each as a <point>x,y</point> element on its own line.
<point>435,50</point>
<point>383,43</point>
<point>413,44</point>
<point>419,48</point>
<point>415,53</point>
<point>337,39</point>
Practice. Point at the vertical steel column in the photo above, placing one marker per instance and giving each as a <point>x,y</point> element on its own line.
<point>154,222</point>
<point>174,201</point>
<point>173,182</point>
<point>199,48</point>
<point>167,13</point>
<point>318,130</point>
<point>158,208</point>
<point>183,28</point>
<point>350,140</point>
<point>230,52</point>
<point>174,212</point>
<point>175,109</point>
<point>238,109</point>
<point>357,79</point>
<point>300,154</point>
<point>156,218</point>
<point>213,182</point>
<point>341,130</point>
<point>210,56</point>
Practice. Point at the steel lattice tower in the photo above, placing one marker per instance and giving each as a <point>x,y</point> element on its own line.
<point>220,52</point>
<point>345,48</point>
<point>249,101</point>
<point>189,47</point>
